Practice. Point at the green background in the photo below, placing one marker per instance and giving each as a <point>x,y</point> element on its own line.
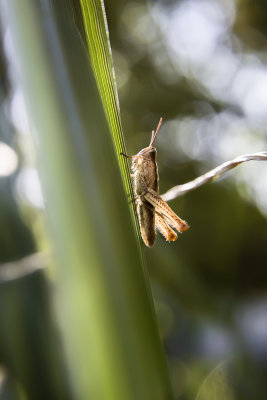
<point>201,65</point>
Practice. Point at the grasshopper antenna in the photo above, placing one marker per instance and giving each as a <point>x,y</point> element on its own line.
<point>154,134</point>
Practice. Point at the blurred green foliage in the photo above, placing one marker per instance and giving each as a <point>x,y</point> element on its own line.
<point>201,65</point>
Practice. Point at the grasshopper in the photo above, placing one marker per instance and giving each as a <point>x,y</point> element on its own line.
<point>153,212</point>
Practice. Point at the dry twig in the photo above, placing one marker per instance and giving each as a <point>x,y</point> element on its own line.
<point>179,190</point>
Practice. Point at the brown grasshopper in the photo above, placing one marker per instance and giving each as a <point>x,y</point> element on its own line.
<point>153,212</point>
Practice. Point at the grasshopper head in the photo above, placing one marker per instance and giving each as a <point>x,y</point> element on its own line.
<point>148,152</point>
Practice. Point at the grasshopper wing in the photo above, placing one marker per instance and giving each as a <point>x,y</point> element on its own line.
<point>162,207</point>
<point>146,217</point>
<point>164,228</point>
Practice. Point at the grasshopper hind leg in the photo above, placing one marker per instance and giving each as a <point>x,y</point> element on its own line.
<point>164,228</point>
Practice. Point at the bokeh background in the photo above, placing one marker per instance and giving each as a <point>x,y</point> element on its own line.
<point>202,66</point>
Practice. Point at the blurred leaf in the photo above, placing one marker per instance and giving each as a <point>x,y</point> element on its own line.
<point>30,345</point>
<point>105,307</point>
<point>16,240</point>
<point>8,388</point>
<point>217,385</point>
